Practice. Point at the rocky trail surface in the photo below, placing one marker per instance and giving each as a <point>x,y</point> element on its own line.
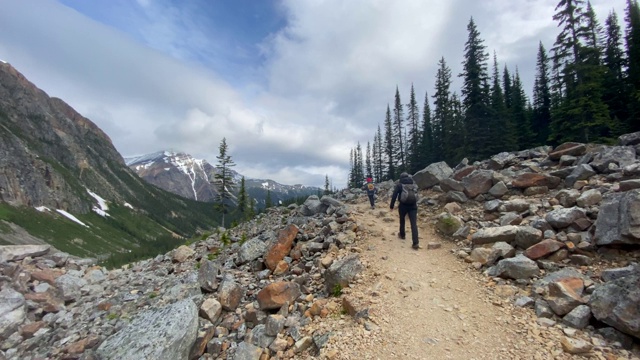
<point>428,304</point>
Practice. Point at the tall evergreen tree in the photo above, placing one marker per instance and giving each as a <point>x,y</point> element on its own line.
<point>506,85</point>
<point>398,132</point>
<point>351,183</point>
<point>243,200</point>
<point>389,146</point>
<point>542,97</point>
<point>427,138</point>
<point>502,139</point>
<point>358,166</point>
<point>519,114</point>
<point>368,166</point>
<point>224,180</point>
<point>327,188</point>
<point>616,89</point>
<point>445,138</point>
<point>413,122</point>
<point>380,170</point>
<point>456,131</point>
<point>475,98</point>
<point>267,201</point>
<point>582,115</point>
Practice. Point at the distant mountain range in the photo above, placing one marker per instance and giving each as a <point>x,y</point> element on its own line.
<point>63,182</point>
<point>184,175</point>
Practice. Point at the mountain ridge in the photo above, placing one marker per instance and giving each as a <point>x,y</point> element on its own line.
<point>187,176</point>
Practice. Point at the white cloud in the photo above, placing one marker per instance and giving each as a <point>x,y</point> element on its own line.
<point>324,85</point>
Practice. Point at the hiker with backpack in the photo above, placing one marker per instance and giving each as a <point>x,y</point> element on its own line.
<point>406,192</point>
<point>371,190</point>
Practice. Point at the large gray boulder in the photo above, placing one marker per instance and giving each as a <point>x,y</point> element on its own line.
<point>616,303</point>
<point>618,220</point>
<point>562,218</point>
<point>432,175</point>
<point>499,161</point>
<point>167,333</point>
<point>19,252</point>
<point>12,311</point>
<point>621,156</point>
<point>494,234</point>
<point>581,172</point>
<point>208,276</point>
<point>70,286</point>
<point>342,272</point>
<point>312,206</point>
<point>251,250</point>
<point>518,267</point>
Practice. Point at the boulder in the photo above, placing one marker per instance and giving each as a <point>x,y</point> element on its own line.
<point>589,198</point>
<point>527,180</point>
<point>211,310</point>
<point>274,295</point>
<point>478,182</point>
<point>617,273</point>
<point>518,267</point>
<point>629,139</point>
<point>516,205</point>
<point>182,253</point>
<point>18,252</point>
<point>527,236</point>
<point>432,175</point>
<point>579,317</point>
<point>312,206</point>
<point>495,234</point>
<point>448,224</point>
<point>450,184</point>
<point>618,220</point>
<point>616,303</point>
<point>621,156</point>
<point>570,148</point>
<point>500,161</point>
<point>247,351</point>
<point>251,250</point>
<point>167,333</point>
<point>230,293</point>
<point>342,272</point>
<point>498,190</point>
<point>568,197</point>
<point>12,311</point>
<point>543,248</point>
<point>208,276</point>
<point>562,218</point>
<point>70,286</point>
<point>581,172</point>
<point>281,247</point>
<point>462,171</point>
<point>565,295</point>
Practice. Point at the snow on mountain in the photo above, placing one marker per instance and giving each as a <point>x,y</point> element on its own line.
<point>193,178</point>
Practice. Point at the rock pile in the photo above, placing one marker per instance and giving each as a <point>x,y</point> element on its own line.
<point>563,223</point>
<point>244,293</point>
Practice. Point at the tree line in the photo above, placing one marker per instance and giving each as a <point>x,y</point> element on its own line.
<point>586,89</point>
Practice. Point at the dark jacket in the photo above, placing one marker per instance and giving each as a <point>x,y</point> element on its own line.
<point>404,179</point>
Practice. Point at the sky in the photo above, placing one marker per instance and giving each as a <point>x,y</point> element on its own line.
<point>292,85</point>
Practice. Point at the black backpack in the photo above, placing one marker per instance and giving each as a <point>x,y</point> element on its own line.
<point>409,193</point>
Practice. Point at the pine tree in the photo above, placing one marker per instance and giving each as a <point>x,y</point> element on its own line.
<point>519,114</point>
<point>243,200</point>
<point>542,97</point>
<point>413,121</point>
<point>616,89</point>
<point>502,139</point>
<point>380,170</point>
<point>267,201</point>
<point>351,182</point>
<point>474,94</point>
<point>327,189</point>
<point>398,133</point>
<point>581,114</point>
<point>369,167</point>
<point>428,141</point>
<point>443,129</point>
<point>389,146</point>
<point>506,85</point>
<point>359,166</point>
<point>457,131</point>
<point>224,180</point>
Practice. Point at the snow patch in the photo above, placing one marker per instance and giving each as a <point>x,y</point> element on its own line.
<point>167,169</point>
<point>102,207</point>
<point>42,208</point>
<point>265,185</point>
<point>71,217</point>
<point>128,205</point>
<point>2,61</point>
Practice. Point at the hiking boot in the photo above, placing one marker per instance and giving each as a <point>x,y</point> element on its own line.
<point>401,237</point>
<point>415,246</point>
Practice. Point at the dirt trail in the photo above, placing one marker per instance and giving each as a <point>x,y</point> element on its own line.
<point>427,304</point>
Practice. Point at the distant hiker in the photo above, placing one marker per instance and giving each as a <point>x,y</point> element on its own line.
<point>406,191</point>
<point>371,190</point>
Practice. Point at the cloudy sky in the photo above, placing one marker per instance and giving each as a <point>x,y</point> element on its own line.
<point>293,85</point>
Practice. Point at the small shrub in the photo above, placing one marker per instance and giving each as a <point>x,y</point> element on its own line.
<point>153,295</point>
<point>198,265</point>
<point>212,256</point>
<point>337,290</point>
<point>112,316</point>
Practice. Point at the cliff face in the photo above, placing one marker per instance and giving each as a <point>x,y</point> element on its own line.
<point>49,152</point>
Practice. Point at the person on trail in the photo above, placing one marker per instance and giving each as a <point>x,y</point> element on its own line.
<point>406,192</point>
<point>371,190</point>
